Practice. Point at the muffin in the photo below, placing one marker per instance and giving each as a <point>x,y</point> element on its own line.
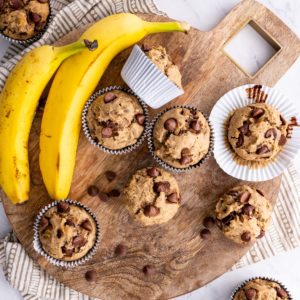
<point>116,119</point>
<point>257,132</point>
<point>67,231</point>
<point>152,196</point>
<point>158,55</point>
<point>181,137</point>
<point>23,19</point>
<point>243,214</point>
<point>258,288</point>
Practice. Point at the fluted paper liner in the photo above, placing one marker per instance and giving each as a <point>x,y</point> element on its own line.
<point>57,262</point>
<point>97,144</point>
<point>162,163</point>
<point>224,155</point>
<point>147,80</point>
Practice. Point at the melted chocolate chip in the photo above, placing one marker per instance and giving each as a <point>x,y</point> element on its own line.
<point>170,124</point>
<point>109,97</point>
<point>70,222</point>
<point>121,250</point>
<point>161,187</point>
<point>262,234</point>
<point>16,4</point>
<point>63,207</point>
<point>282,140</point>
<point>185,152</point>
<point>263,149</point>
<point>240,141</point>
<point>271,133</point>
<point>151,210</point>
<point>228,219</point>
<point>140,118</point>
<point>283,121</point>
<point>79,241</point>
<point>257,113</point>
<point>35,18</point>
<point>248,209</point>
<point>209,222</point>
<point>233,193</point>
<point>250,294</point>
<point>59,233</point>
<point>153,172</point>
<point>245,128</point>
<point>91,276</point>
<point>246,236</point>
<point>184,160</point>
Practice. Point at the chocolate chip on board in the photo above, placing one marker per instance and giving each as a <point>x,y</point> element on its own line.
<point>109,97</point>
<point>91,276</point>
<point>205,233</point>
<point>170,124</point>
<point>209,222</point>
<point>103,196</point>
<point>93,190</point>
<point>114,193</point>
<point>149,270</point>
<point>246,236</point>
<point>262,150</point>
<point>121,250</point>
<point>151,210</point>
<point>110,175</point>
<point>153,172</point>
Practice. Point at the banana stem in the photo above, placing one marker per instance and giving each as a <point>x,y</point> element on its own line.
<point>155,27</point>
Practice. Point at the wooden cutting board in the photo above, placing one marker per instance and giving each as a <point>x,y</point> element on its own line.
<point>183,260</point>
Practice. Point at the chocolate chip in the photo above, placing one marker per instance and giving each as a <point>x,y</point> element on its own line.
<point>121,250</point>
<point>260,192</point>
<point>228,219</point>
<point>140,118</point>
<point>114,193</point>
<point>262,234</point>
<point>109,97</point>
<point>172,198</point>
<point>35,18</point>
<point>271,133</point>
<point>151,211</point>
<point>110,175</point>
<point>87,225</point>
<point>153,172</point>
<point>233,193</point>
<point>146,48</point>
<point>170,124</point>
<point>59,233</point>
<point>70,222</point>
<point>250,294</point>
<point>63,207</point>
<point>149,270</point>
<point>282,140</point>
<point>245,128</point>
<point>185,152</point>
<point>262,150</point>
<point>244,197</point>
<point>205,234</point>
<point>16,4</point>
<point>209,222</point>
<point>107,132</point>
<point>161,187</point>
<point>281,293</point>
<point>240,141</point>
<point>246,236</point>
<point>283,121</point>
<point>257,113</point>
<point>44,223</point>
<point>79,241</point>
<point>103,197</point>
<point>43,1</point>
<point>195,125</point>
<point>93,190</point>
<point>1,3</point>
<point>184,160</point>
<point>91,276</point>
<point>248,209</point>
<point>67,251</point>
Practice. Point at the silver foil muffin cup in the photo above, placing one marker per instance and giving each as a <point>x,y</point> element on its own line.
<point>38,35</point>
<point>57,262</point>
<point>95,143</point>
<point>147,80</point>
<point>165,165</point>
<point>263,278</point>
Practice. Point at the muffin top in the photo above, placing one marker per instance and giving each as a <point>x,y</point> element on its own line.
<point>116,120</point>
<point>22,19</point>
<point>257,132</point>
<point>243,214</point>
<point>158,55</point>
<point>181,137</point>
<point>260,289</point>
<point>152,196</point>
<point>67,232</point>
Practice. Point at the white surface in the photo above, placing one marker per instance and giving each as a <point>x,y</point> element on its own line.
<point>204,15</point>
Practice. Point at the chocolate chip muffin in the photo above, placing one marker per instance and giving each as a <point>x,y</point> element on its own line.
<point>67,232</point>
<point>243,214</point>
<point>181,137</point>
<point>257,132</point>
<point>116,120</point>
<point>23,19</point>
<point>158,55</point>
<point>152,196</point>
<point>259,289</point>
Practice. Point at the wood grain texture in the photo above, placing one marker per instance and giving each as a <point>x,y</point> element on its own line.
<point>183,260</point>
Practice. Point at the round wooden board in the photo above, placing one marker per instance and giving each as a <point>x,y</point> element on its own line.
<point>183,260</point>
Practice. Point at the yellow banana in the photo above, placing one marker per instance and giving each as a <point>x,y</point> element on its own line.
<point>72,86</point>
<point>18,102</point>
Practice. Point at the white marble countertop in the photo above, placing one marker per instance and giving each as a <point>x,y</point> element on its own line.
<point>205,14</point>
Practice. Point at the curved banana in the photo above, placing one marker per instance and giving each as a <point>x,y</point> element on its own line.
<point>72,86</point>
<point>18,102</point>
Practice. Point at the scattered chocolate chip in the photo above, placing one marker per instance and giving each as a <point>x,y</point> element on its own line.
<point>262,150</point>
<point>250,294</point>
<point>248,209</point>
<point>43,1</point>
<point>140,118</point>
<point>70,222</point>
<point>103,197</point>
<point>262,234</point>
<point>16,4</point>
<point>91,276</point>
<point>282,140</point>
<point>195,126</point>
<point>283,121</point>
<point>93,190</point>
<point>170,124</point>
<point>110,175</point>
<point>260,192</point>
<point>161,187</point>
<point>209,222</point>
<point>244,197</point>
<point>240,141</point>
<point>257,113</point>
<point>87,225</point>
<point>44,223</point>
<point>172,198</point>
<point>245,128</point>
<point>151,211</point>
<point>149,270</point>
<point>35,18</point>
<point>246,236</point>
<point>109,97</point>
<point>59,233</point>
<point>281,293</point>
<point>233,193</point>
<point>63,207</point>
<point>107,132</point>
<point>121,250</point>
<point>153,172</point>
<point>271,133</point>
<point>79,241</point>
<point>67,251</point>
<point>114,193</point>
<point>184,160</point>
<point>205,234</point>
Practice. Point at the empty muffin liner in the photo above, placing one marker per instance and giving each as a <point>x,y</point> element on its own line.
<point>223,153</point>
<point>162,163</point>
<point>147,80</point>
<point>57,262</point>
<point>263,278</point>
<point>36,36</point>
<point>95,143</point>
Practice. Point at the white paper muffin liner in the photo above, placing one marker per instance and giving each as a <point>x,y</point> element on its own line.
<point>147,80</point>
<point>57,262</point>
<point>162,163</point>
<point>224,155</point>
<point>263,278</point>
<point>97,144</point>
<point>36,36</point>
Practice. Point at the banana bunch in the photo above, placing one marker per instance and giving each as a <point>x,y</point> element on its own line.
<point>18,101</point>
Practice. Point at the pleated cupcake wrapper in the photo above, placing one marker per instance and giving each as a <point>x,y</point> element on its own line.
<point>147,80</point>
<point>86,129</point>
<point>224,155</point>
<point>57,262</point>
<point>263,278</point>
<point>36,36</point>
<point>166,166</point>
